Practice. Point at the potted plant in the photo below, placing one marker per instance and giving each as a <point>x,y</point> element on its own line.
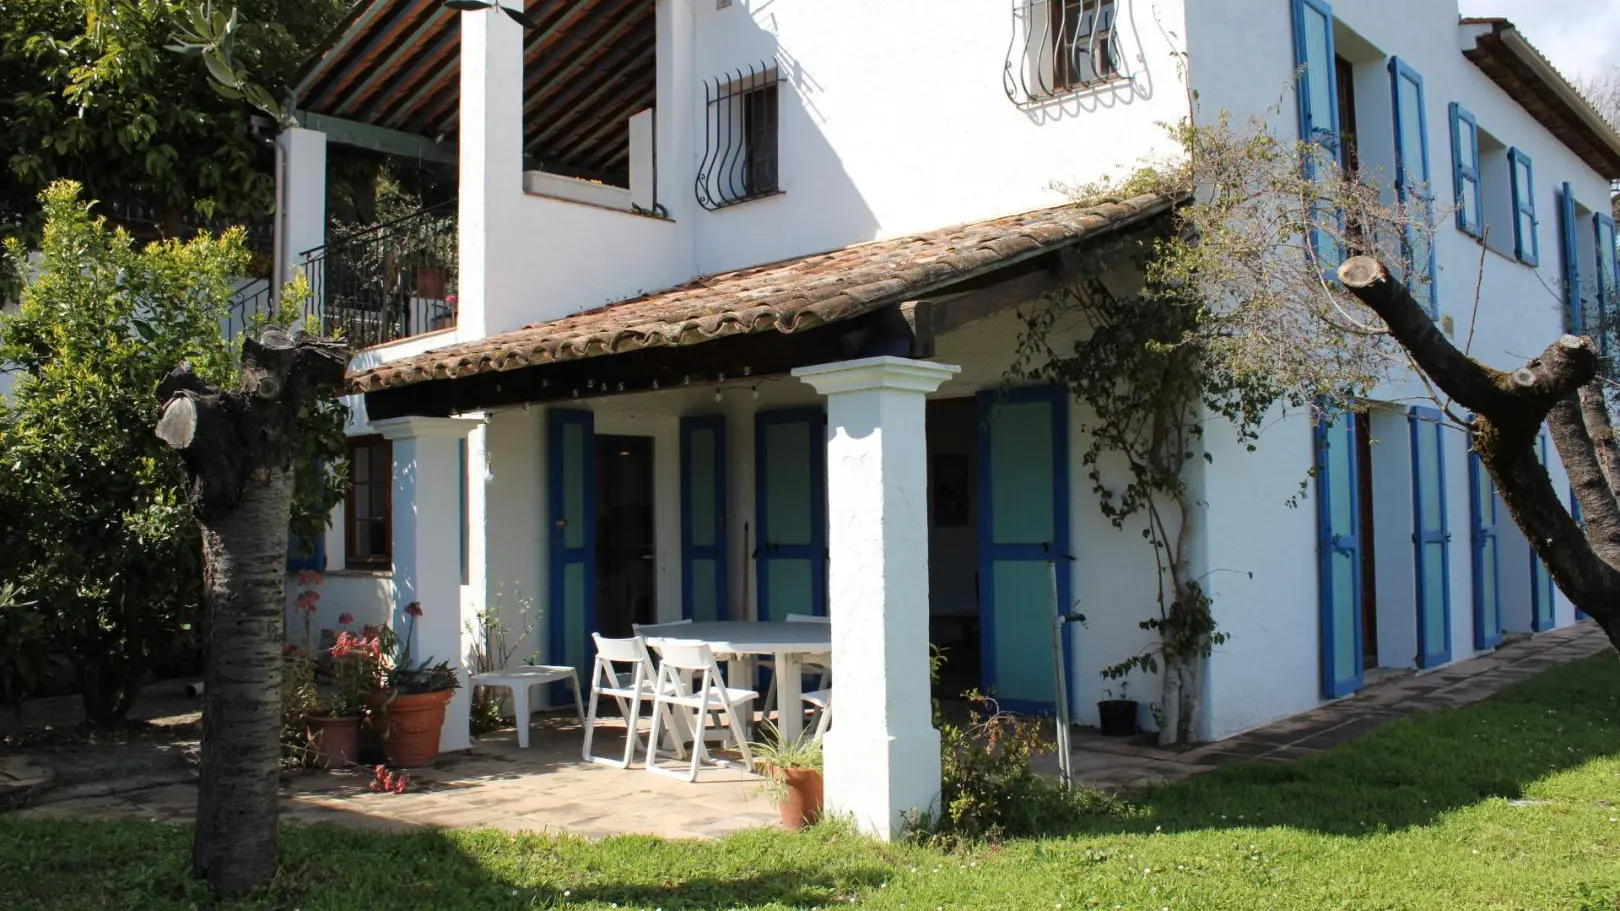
<point>334,727</point>
<point>792,777</point>
<point>321,711</point>
<point>411,699</point>
<point>1116,716</point>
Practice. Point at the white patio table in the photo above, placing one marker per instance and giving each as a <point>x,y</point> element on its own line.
<point>741,641</point>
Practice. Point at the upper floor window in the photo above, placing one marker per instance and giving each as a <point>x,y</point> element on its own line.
<point>1526,245</point>
<point>368,505</point>
<point>741,139</point>
<point>1084,43</point>
<point>1063,46</point>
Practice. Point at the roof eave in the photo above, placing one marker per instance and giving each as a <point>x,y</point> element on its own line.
<point>1499,40</point>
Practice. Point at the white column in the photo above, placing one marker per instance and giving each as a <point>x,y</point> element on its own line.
<point>301,193</point>
<point>882,753</point>
<point>491,161</point>
<point>427,549</point>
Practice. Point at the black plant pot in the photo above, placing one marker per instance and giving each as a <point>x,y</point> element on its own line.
<point>1117,717</point>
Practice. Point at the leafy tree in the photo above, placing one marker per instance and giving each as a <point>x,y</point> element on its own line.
<point>98,529</point>
<point>89,91</point>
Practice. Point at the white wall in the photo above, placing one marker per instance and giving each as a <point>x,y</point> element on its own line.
<point>1261,574</point>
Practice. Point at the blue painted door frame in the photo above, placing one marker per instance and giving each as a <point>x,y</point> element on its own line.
<point>1431,538</point>
<point>1023,470</point>
<point>1487,555</point>
<point>1338,521</point>
<point>571,571</point>
<point>790,511</point>
<point>703,518</point>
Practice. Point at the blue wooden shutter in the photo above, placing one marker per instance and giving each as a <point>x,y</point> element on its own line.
<point>1526,243</point>
<point>1575,513</point>
<point>1487,556</point>
<point>790,506</point>
<point>571,460</point>
<point>1412,174</point>
<point>1023,524</point>
<point>302,554</point>
<point>703,518</point>
<point>1318,101</point>
<point>1542,616</point>
<point>1338,516</point>
<point>1431,538</point>
<point>1569,246</point>
<point>1465,169</point>
<point>1608,279</point>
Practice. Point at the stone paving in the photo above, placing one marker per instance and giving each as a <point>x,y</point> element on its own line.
<point>1118,765</point>
<point>548,788</point>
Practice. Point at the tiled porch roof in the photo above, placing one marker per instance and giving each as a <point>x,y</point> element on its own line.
<point>787,297</point>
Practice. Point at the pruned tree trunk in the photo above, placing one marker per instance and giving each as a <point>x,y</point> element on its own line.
<point>1559,388</point>
<point>238,449</point>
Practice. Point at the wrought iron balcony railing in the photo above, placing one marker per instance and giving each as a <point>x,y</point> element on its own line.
<point>388,282</point>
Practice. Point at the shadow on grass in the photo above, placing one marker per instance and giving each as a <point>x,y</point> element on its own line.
<point>48,864</point>
<point>1410,771</point>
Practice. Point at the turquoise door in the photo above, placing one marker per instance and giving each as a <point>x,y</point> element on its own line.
<point>571,459</point>
<point>1487,571</point>
<point>703,518</point>
<point>1431,539</point>
<point>790,477</point>
<point>1338,523</point>
<point>1023,525</point>
<point>1542,589</point>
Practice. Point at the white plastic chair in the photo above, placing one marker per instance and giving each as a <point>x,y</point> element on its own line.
<point>520,680</point>
<point>682,664</point>
<point>606,681</point>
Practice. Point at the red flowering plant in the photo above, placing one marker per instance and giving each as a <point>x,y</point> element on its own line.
<point>357,660</point>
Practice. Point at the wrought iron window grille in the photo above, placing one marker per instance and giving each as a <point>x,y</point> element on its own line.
<point>740,140</point>
<point>1062,47</point>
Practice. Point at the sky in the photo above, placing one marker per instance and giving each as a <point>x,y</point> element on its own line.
<point>1580,37</point>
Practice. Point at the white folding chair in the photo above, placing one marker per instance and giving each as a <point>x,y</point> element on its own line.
<point>822,671</point>
<point>682,664</point>
<point>821,702</point>
<point>606,681</point>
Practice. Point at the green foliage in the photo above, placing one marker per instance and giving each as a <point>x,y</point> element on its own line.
<point>90,92</point>
<point>23,654</point>
<point>98,528</point>
<point>99,531</point>
<point>989,788</point>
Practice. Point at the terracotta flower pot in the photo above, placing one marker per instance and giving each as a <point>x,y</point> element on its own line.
<point>411,723</point>
<point>335,741</point>
<point>802,805</point>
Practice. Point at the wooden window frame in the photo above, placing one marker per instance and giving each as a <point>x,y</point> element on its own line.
<point>1063,78</point>
<point>369,563</point>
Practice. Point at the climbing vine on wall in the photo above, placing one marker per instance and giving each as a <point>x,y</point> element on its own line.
<point>1229,315</point>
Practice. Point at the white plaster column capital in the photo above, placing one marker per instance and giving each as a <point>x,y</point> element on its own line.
<point>415,427</point>
<point>872,374</point>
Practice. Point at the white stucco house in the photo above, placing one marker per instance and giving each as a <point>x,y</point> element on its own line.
<point>727,325</point>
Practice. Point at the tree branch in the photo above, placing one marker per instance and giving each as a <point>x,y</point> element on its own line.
<point>1519,400</point>
<point>1595,413</point>
<point>1598,506</point>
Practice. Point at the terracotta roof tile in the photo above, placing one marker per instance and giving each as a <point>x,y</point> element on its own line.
<point>788,296</point>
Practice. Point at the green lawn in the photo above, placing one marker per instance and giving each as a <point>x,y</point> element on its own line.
<point>1510,803</point>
